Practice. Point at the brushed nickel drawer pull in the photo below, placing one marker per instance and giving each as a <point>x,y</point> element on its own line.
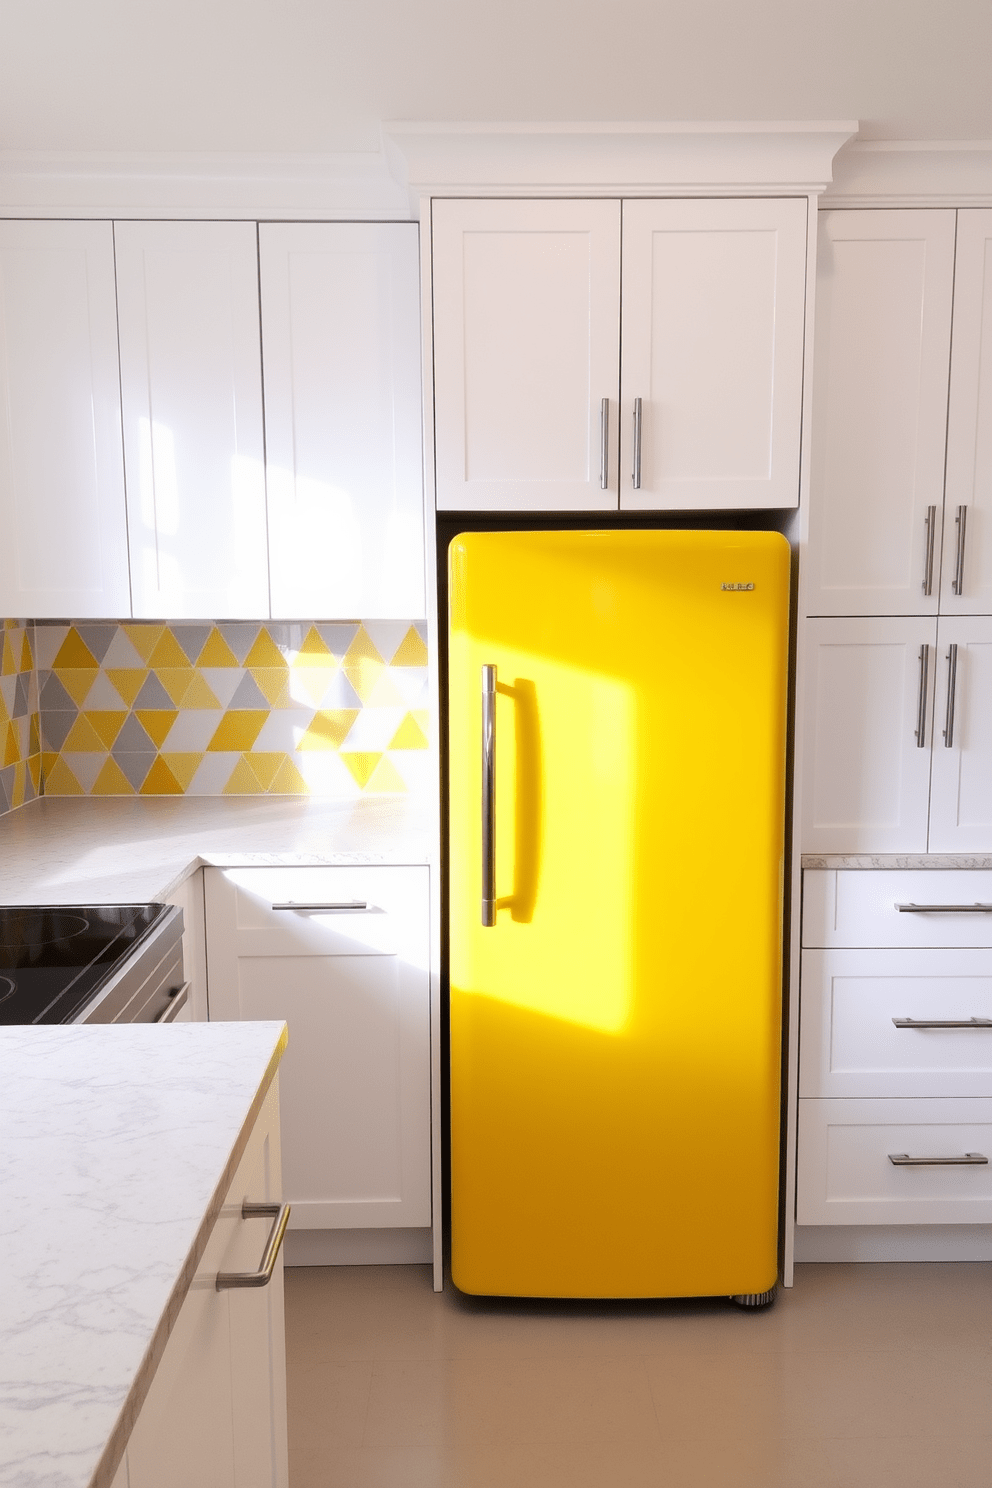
<point>635,475</point>
<point>177,1001</point>
<point>969,1160</point>
<point>279,1213</point>
<point>921,706</point>
<point>604,444</point>
<point>928,546</point>
<point>957,583</point>
<point>975,908</point>
<point>342,906</point>
<point>952,681</point>
<point>943,1022</point>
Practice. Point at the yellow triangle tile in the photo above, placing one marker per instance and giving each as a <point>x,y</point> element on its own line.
<point>328,729</point>
<point>183,766</point>
<point>107,723</point>
<point>34,770</point>
<point>243,781</point>
<point>49,759</point>
<point>385,779</point>
<point>74,652</point>
<point>77,682</point>
<point>361,765</point>
<point>4,715</point>
<point>83,737</point>
<point>412,651</point>
<point>128,681</point>
<point>60,781</point>
<point>19,793</point>
<point>198,695</point>
<point>156,723</point>
<point>361,649</point>
<point>265,765</point>
<point>176,681</point>
<point>27,660</point>
<point>12,749</point>
<point>34,734</point>
<point>111,781</point>
<point>216,652</point>
<point>272,682</point>
<point>288,781</point>
<point>238,729</point>
<point>167,652</point>
<point>409,735</point>
<point>265,652</point>
<point>144,638</point>
<point>160,781</point>
<point>363,675</point>
<point>314,651</point>
<point>8,666</point>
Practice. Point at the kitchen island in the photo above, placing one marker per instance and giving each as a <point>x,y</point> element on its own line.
<point>120,1144</point>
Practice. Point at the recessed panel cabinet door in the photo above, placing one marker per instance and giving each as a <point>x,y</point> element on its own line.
<point>883,328</point>
<point>714,298</point>
<point>867,729</point>
<point>63,549</point>
<point>343,418</point>
<point>191,386</point>
<point>961,785</point>
<point>966,579</point>
<point>526,354</point>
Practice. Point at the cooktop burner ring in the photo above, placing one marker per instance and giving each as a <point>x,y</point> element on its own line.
<point>32,928</point>
<point>7,988</point>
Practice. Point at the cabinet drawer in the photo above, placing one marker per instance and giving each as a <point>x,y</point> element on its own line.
<point>852,907</point>
<point>846,1175</point>
<point>851,1045</point>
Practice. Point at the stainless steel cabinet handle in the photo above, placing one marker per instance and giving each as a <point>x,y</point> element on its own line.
<point>952,680</point>
<point>604,444</point>
<point>342,905</point>
<point>957,583</point>
<point>943,1022</point>
<point>636,471</point>
<point>969,1160</point>
<point>975,908</point>
<point>921,706</point>
<point>928,547</point>
<point>280,1214</point>
<point>177,1001</point>
<point>489,796</point>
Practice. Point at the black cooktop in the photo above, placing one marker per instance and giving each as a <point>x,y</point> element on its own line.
<point>54,961</point>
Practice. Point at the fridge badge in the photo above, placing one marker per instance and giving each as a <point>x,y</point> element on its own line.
<point>736,586</point>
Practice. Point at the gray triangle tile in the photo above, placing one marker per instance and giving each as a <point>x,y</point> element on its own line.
<point>98,637</point>
<point>240,635</point>
<point>22,696</point>
<point>386,636</point>
<point>132,739</point>
<point>152,695</point>
<point>287,634</point>
<point>135,766</point>
<point>248,694</point>
<point>122,652</point>
<point>53,695</point>
<point>6,788</point>
<point>192,638</point>
<point>48,638</point>
<point>337,637</point>
<point>55,726</point>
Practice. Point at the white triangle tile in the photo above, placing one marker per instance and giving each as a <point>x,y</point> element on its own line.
<point>223,682</point>
<point>47,643</point>
<point>121,653</point>
<point>386,636</point>
<point>213,773</point>
<point>192,730</point>
<point>374,728</point>
<point>8,691</point>
<point>325,774</point>
<point>417,770</point>
<point>385,693</point>
<point>103,694</point>
<point>86,766</point>
<point>283,730</point>
<point>411,685</point>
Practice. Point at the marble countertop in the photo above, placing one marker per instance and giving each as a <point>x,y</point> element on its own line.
<point>119,1144</point>
<point>113,849</point>
<point>897,860</point>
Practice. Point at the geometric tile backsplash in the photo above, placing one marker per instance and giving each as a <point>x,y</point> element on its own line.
<point>225,708</point>
<point>20,748</point>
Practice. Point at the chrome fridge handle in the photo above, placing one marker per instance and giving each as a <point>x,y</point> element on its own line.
<point>952,679</point>
<point>636,463</point>
<point>957,583</point>
<point>921,706</point>
<point>488,796</point>
<point>928,547</point>
<point>604,444</point>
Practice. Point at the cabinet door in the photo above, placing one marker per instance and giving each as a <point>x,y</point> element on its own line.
<point>883,326</point>
<point>713,321</point>
<point>192,397</point>
<point>64,544</point>
<point>868,717</point>
<point>526,348</point>
<point>349,975</point>
<point>961,786</point>
<point>343,418</point>
<point>966,577</point>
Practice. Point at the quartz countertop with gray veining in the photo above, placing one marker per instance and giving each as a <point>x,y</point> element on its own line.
<point>119,1144</point>
<point>897,860</point>
<point>114,849</point>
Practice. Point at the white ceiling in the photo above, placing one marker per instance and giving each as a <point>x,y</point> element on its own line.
<point>320,75</point>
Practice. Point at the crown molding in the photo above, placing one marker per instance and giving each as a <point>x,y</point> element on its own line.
<point>325,187</point>
<point>610,159</point>
<point>912,173</point>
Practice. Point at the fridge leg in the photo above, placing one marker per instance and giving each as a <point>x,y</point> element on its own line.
<point>755,1299</point>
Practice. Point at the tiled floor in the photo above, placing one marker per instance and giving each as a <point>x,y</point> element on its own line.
<point>874,1376</point>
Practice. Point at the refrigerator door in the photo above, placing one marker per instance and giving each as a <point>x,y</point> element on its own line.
<point>615,1034</point>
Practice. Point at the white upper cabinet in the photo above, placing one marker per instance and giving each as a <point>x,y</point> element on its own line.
<point>714,300</point>
<point>526,354</point>
<point>343,419</point>
<point>63,549</point>
<point>966,578</point>
<point>192,400</point>
<point>883,329</point>
<point>961,783</point>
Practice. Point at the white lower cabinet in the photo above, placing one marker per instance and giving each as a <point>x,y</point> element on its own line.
<point>342,955</point>
<point>215,1413</point>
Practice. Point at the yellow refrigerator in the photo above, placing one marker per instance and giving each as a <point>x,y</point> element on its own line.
<point>617,742</point>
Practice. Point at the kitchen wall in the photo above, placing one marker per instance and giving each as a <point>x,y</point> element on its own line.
<point>204,708</point>
<point>20,747</point>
